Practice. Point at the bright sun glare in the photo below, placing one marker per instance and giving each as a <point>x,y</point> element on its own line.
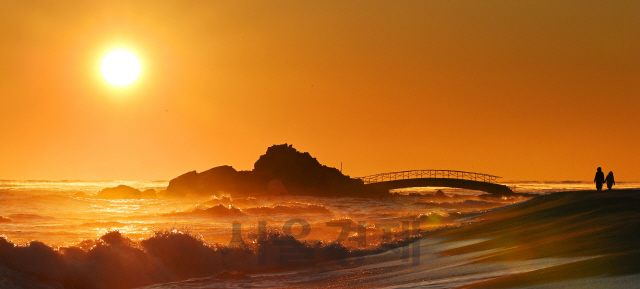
<point>120,67</point>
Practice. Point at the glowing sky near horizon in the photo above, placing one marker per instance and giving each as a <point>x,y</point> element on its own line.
<point>527,90</point>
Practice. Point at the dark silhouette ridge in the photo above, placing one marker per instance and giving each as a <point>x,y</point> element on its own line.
<point>281,170</point>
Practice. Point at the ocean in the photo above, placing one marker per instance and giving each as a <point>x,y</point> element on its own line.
<point>64,219</point>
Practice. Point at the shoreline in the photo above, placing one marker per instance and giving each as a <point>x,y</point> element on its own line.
<point>589,232</point>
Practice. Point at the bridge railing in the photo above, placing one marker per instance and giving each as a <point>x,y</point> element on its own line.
<point>420,174</point>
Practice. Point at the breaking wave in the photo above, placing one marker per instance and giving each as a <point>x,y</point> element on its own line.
<point>219,210</point>
<point>293,209</point>
<point>228,210</point>
<point>114,261</point>
<point>466,205</point>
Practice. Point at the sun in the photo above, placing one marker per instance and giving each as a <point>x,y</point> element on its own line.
<point>120,67</point>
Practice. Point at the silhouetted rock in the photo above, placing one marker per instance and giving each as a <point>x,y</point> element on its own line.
<point>80,195</point>
<point>218,180</point>
<point>302,174</point>
<point>281,170</point>
<point>125,192</point>
<point>440,194</point>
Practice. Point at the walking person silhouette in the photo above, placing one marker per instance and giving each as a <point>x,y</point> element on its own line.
<point>599,179</point>
<point>609,180</point>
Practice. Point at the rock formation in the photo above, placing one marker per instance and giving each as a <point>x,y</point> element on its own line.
<point>125,192</point>
<point>281,170</point>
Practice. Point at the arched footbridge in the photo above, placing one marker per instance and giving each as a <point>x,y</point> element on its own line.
<point>436,178</point>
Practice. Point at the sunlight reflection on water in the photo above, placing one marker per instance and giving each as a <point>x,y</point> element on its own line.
<point>52,212</point>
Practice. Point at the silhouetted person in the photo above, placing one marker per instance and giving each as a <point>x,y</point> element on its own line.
<point>609,180</point>
<point>599,179</point>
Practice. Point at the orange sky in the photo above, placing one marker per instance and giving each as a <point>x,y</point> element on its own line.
<point>527,90</point>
